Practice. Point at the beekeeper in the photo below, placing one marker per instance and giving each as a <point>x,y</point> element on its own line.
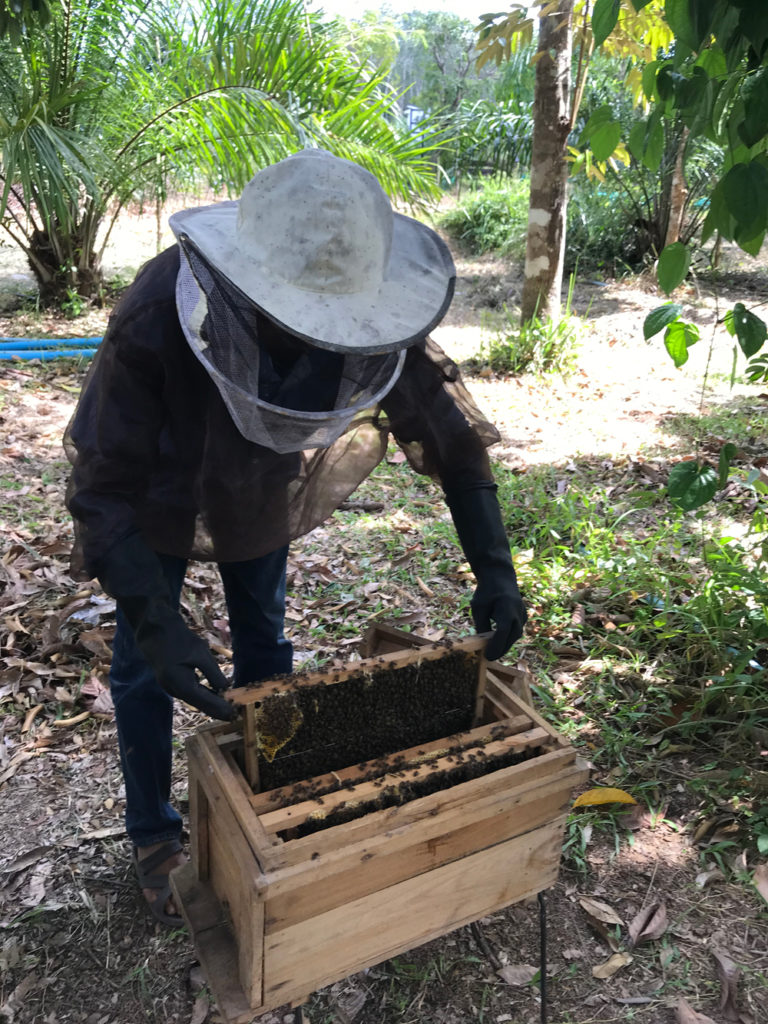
<point>248,382</point>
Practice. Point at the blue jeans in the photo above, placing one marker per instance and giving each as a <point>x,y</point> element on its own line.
<point>255,596</point>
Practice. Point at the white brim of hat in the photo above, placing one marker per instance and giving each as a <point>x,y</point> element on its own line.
<point>413,298</point>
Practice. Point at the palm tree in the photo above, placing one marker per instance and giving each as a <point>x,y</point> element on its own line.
<point>118,99</point>
<point>17,15</point>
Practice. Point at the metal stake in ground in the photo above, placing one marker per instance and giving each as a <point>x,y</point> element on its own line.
<point>543,955</point>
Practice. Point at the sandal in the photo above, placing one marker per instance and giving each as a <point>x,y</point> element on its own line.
<point>145,869</point>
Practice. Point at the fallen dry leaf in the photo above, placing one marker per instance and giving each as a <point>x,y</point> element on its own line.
<point>600,917</point>
<point>520,974</point>
<point>611,966</point>
<point>649,924</point>
<point>26,860</point>
<point>687,1015</point>
<point>200,1010</point>
<point>30,716</point>
<point>705,878</point>
<point>599,911</point>
<point>573,954</point>
<point>760,878</point>
<point>16,998</point>
<point>728,973</point>
<point>68,723</point>
<point>103,704</point>
<point>37,884</point>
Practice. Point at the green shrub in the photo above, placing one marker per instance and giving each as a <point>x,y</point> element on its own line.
<point>539,346</point>
<point>602,234</point>
<point>491,218</point>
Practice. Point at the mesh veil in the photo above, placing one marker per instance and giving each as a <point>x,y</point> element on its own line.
<point>285,403</point>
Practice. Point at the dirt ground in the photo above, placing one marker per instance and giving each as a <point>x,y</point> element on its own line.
<point>75,944</point>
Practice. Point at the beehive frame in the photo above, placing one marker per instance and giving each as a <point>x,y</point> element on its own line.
<point>273,917</point>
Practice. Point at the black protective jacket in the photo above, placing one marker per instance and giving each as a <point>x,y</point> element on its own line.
<point>153,447</point>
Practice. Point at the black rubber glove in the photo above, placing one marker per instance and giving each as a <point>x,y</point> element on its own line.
<point>477,518</point>
<point>131,573</point>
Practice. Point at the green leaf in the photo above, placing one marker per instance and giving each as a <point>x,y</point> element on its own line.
<point>636,141</point>
<point>654,143</point>
<point>691,93</point>
<point>665,83</point>
<point>751,246</point>
<point>713,61</point>
<point>718,218</point>
<point>673,265</point>
<point>692,485</point>
<point>745,190</point>
<point>728,323</point>
<point>604,18</point>
<point>646,142</point>
<point>658,318</point>
<point>649,79</point>
<point>753,22</point>
<point>678,338</point>
<point>640,4</point>
<point>750,330</point>
<point>598,118</point>
<point>754,127</point>
<point>678,16</point>
<point>604,140</point>
<point>727,453</point>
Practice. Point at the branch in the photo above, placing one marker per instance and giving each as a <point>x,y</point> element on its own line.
<point>185,102</point>
<point>586,49</point>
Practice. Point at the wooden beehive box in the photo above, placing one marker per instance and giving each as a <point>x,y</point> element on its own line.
<point>292,888</point>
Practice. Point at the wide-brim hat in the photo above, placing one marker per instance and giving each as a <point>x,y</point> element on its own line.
<point>314,243</point>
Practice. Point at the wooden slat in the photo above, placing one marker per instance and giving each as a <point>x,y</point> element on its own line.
<point>370,867</point>
<point>418,814</point>
<point>498,685</point>
<point>314,953</point>
<point>383,662</point>
<point>246,911</point>
<point>230,781</point>
<point>234,876</point>
<point>297,814</point>
<point>495,707</point>
<point>273,799</point>
<point>382,637</point>
<point>198,820</point>
<point>214,943</point>
<point>251,747</point>
<point>480,692</point>
<point>320,865</point>
<point>517,677</point>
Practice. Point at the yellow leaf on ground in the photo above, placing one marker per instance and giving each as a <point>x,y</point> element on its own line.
<point>603,795</point>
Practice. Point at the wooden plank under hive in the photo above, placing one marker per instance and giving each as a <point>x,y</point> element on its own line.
<point>357,813</point>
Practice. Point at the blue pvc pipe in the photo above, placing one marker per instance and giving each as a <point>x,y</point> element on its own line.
<point>18,343</point>
<point>48,348</point>
<point>64,353</point>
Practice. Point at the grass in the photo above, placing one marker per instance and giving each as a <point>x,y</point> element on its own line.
<point>538,346</point>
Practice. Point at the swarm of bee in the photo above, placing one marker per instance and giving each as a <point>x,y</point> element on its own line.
<point>277,721</point>
<point>313,729</point>
<point>466,766</point>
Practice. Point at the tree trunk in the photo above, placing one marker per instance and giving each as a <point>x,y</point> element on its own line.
<point>678,193</point>
<point>545,245</point>
<point>65,265</point>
